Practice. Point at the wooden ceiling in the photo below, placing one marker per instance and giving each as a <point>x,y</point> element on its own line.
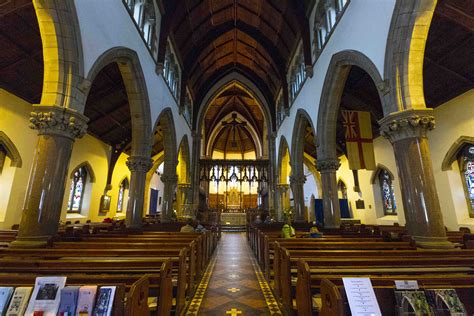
<point>449,55</point>
<point>21,53</point>
<point>252,37</point>
<point>234,99</point>
<point>108,109</point>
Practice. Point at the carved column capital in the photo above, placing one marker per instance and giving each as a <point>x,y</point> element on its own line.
<point>169,178</point>
<point>54,120</point>
<point>298,179</point>
<point>282,187</point>
<point>328,165</point>
<point>407,124</point>
<point>139,164</point>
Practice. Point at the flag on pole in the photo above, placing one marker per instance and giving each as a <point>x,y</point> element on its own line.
<point>359,140</point>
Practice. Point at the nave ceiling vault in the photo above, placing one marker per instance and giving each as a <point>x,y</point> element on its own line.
<point>216,37</point>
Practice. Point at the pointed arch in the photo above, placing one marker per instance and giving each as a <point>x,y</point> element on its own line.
<point>90,172</point>
<point>298,139</point>
<point>333,88</point>
<point>405,52</point>
<point>376,173</point>
<point>184,152</point>
<point>12,151</point>
<point>166,122</point>
<point>454,150</point>
<point>63,59</point>
<point>218,87</point>
<point>283,151</point>
<point>125,180</point>
<point>137,93</point>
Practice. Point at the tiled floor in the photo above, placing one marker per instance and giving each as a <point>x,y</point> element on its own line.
<point>233,284</point>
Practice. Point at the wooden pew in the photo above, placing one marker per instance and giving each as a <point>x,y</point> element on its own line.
<point>375,264</point>
<point>308,284</point>
<point>52,254</point>
<point>269,245</point>
<point>314,244</point>
<point>98,266</point>
<point>132,293</point>
<point>334,301</point>
<point>171,244</point>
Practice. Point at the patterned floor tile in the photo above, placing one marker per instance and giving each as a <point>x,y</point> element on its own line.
<point>233,283</point>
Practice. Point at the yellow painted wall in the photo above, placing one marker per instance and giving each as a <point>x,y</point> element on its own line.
<point>14,115</point>
<point>455,118</point>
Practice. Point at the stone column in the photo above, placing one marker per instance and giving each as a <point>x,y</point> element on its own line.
<point>272,195</point>
<point>296,183</point>
<point>57,128</point>
<point>332,213</point>
<point>170,182</point>
<point>183,199</point>
<point>407,131</point>
<point>139,167</point>
<point>196,154</point>
<point>282,200</point>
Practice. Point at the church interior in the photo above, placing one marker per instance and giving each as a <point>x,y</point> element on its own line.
<point>236,157</point>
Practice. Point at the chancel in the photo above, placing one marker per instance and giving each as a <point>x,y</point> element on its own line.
<point>233,157</point>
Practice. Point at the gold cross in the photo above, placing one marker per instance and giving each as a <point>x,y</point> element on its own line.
<point>233,312</point>
<point>233,290</point>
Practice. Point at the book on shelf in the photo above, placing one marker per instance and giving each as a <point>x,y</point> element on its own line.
<point>46,296</point>
<point>86,299</point>
<point>5,296</point>
<point>412,302</point>
<point>19,301</point>
<point>445,302</point>
<point>68,304</point>
<point>105,301</point>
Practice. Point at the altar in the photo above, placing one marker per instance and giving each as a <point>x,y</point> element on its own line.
<point>234,219</point>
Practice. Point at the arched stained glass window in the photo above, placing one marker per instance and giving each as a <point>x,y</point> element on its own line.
<point>76,193</point>
<point>342,189</point>
<point>121,195</point>
<point>466,166</point>
<point>388,196</point>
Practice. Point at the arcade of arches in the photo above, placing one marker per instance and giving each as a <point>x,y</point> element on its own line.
<point>219,111</point>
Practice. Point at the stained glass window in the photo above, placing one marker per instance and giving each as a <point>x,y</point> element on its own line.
<point>76,193</point>
<point>388,196</point>
<point>121,195</point>
<point>342,189</point>
<point>466,163</point>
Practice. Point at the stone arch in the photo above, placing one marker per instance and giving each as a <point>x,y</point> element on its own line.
<point>135,86</point>
<point>166,121</point>
<point>216,131</point>
<point>125,178</point>
<point>376,172</point>
<point>62,53</point>
<point>12,151</point>
<point>334,84</point>
<point>88,167</point>
<point>156,163</point>
<point>170,157</point>
<point>317,176</point>
<point>297,142</point>
<point>453,151</point>
<point>404,54</point>
<point>221,85</point>
<point>283,150</point>
<point>185,154</point>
